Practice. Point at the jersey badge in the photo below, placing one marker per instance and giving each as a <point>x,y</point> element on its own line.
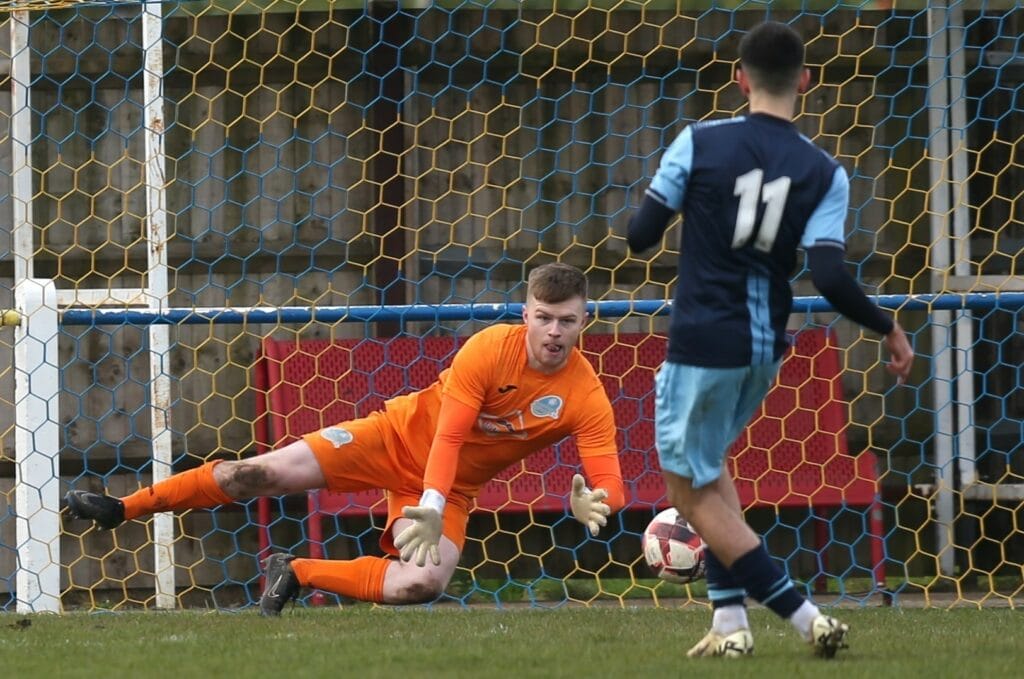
<point>547,406</point>
<point>337,436</point>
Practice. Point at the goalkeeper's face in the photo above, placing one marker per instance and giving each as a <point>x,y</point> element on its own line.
<point>552,329</point>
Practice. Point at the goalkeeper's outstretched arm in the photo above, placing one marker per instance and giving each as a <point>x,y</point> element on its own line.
<point>591,507</point>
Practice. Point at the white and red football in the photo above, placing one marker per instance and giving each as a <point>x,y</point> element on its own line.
<point>673,549</point>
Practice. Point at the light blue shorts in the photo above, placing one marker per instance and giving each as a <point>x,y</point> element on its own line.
<point>700,411</point>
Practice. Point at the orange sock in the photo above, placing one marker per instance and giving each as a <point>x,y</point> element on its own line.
<point>193,489</point>
<point>361,578</point>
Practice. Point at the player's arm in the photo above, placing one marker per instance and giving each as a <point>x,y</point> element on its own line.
<point>648,224</point>
<point>604,474</point>
<point>823,241</point>
<point>834,282</point>
<point>591,507</point>
<point>664,198</point>
<point>458,410</point>
<point>461,400</point>
<point>595,439</point>
<point>454,421</point>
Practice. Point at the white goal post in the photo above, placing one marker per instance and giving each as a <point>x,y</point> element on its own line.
<point>37,447</point>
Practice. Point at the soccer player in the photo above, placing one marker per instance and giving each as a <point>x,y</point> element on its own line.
<point>752,190</point>
<point>512,389</point>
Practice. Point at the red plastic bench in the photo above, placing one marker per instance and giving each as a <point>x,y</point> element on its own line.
<point>793,453</point>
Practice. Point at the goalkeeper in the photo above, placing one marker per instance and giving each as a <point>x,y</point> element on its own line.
<point>511,390</point>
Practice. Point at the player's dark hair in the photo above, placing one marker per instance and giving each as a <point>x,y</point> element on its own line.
<point>556,282</point>
<point>772,56</point>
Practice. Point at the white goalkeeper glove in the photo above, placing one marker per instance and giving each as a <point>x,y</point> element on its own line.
<point>587,506</point>
<point>424,535</point>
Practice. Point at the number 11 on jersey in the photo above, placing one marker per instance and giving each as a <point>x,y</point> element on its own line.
<point>749,188</point>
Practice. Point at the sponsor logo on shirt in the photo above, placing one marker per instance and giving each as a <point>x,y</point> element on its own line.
<point>547,406</point>
<point>502,425</point>
<point>337,436</point>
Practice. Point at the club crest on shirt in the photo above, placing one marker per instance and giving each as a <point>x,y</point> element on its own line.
<point>337,436</point>
<point>547,406</point>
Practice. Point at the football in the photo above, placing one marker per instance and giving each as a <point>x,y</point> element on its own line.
<point>673,549</point>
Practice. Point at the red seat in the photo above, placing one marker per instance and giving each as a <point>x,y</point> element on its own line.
<point>793,453</point>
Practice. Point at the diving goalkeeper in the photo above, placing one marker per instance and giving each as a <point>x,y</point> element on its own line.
<point>512,389</point>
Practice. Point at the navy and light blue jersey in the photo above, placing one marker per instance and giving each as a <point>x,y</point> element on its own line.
<point>752,190</point>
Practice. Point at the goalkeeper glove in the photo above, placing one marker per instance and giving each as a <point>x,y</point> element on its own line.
<point>424,535</point>
<point>587,506</point>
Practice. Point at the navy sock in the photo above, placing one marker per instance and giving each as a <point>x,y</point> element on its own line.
<point>723,590</point>
<point>766,582</point>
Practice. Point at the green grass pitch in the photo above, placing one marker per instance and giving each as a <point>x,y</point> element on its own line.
<point>363,641</point>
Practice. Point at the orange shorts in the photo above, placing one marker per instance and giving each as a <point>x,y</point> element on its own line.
<point>365,454</point>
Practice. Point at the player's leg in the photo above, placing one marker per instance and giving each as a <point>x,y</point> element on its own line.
<point>740,551</point>
<point>290,469</point>
<point>747,563</point>
<point>349,455</point>
<point>692,456</point>
<point>407,583</point>
<point>717,519</point>
<point>727,596</point>
<point>690,404</point>
<point>386,579</point>
<point>827,634</point>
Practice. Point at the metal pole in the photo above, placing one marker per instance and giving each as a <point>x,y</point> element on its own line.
<point>157,293</point>
<point>263,315</point>
<point>21,147</point>
<point>37,447</point>
<point>964,341</point>
<point>37,439</point>
<point>939,258</point>
<point>385,168</point>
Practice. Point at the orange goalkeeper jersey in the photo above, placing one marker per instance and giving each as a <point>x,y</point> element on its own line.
<point>521,410</point>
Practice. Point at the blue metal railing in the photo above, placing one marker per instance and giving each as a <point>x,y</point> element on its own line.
<point>975,301</point>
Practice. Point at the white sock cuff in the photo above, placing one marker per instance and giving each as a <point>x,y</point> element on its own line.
<point>803,617</point>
